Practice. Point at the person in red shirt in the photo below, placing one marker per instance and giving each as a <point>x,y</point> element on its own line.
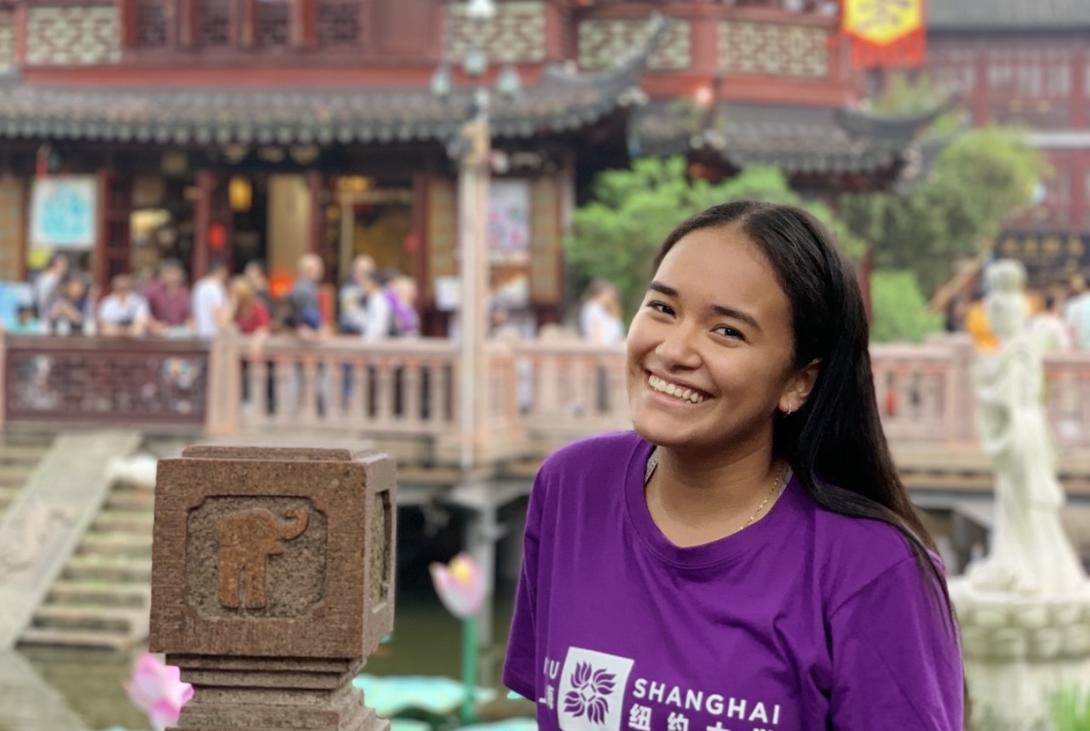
<point>251,316</point>
<point>168,300</point>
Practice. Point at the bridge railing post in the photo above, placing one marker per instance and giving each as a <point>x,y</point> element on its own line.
<point>272,583</point>
<point>961,405</point>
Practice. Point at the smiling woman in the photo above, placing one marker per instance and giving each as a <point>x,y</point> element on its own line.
<point>750,539</point>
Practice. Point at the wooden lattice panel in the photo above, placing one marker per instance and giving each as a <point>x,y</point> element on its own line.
<point>73,36</point>
<point>603,41</point>
<point>273,24</point>
<point>151,23</point>
<point>12,201</point>
<point>515,35</point>
<point>7,41</point>
<point>776,49</point>
<point>213,24</point>
<point>338,23</point>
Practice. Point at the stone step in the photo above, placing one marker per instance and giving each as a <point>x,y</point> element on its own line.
<point>100,593</point>
<point>16,437</point>
<point>111,640</point>
<point>123,521</point>
<point>133,545</point>
<point>94,568</point>
<point>87,617</point>
<point>11,474</point>
<point>23,454</point>
<point>130,499</point>
<point>7,495</point>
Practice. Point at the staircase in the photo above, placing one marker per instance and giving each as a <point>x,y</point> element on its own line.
<point>102,597</point>
<point>19,455</point>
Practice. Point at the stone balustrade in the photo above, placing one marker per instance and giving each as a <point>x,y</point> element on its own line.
<point>538,393</point>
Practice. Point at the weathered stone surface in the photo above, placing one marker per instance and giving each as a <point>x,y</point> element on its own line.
<point>42,527</point>
<point>28,703</point>
<point>272,582</point>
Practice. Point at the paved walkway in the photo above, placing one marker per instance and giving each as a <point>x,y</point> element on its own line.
<point>27,703</point>
<point>42,527</point>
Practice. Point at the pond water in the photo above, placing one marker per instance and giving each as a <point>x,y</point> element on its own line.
<point>426,641</point>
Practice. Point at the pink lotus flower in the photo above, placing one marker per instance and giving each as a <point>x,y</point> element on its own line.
<point>157,690</point>
<point>460,585</point>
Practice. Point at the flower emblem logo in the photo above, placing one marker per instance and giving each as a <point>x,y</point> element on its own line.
<point>588,694</point>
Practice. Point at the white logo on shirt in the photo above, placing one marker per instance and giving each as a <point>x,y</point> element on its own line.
<point>592,688</point>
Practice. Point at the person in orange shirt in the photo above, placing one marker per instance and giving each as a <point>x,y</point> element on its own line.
<point>978,327</point>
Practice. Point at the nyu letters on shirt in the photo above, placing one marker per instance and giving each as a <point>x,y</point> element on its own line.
<point>804,621</point>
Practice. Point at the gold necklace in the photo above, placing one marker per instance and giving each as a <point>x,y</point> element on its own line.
<point>777,485</point>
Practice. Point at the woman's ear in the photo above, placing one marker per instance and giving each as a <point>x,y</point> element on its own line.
<point>799,386</point>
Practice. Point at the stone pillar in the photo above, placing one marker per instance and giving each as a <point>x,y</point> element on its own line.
<point>272,583</point>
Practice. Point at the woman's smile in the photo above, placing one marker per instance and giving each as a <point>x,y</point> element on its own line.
<point>674,394</point>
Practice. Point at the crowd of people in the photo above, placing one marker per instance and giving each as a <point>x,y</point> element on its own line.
<point>371,303</point>
<point>1059,317</point>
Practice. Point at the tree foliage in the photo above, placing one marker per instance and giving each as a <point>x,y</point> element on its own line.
<point>617,235</point>
<point>900,310</point>
<point>980,179</point>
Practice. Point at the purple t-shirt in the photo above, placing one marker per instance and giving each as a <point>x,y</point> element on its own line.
<point>807,620</point>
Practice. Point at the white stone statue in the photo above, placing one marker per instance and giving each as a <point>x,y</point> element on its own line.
<point>1030,553</point>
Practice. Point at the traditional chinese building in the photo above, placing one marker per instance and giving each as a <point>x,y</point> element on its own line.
<point>132,130</point>
<point>1028,64</point>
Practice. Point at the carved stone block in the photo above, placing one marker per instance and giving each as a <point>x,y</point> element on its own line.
<point>272,582</point>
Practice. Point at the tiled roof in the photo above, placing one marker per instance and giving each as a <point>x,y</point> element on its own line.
<point>798,139</point>
<point>1007,14</point>
<point>562,101</point>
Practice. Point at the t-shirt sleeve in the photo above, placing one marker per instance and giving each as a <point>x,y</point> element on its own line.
<point>521,661</point>
<point>896,659</point>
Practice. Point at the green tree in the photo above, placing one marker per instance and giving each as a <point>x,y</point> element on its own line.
<point>900,310</point>
<point>980,179</point>
<point>617,235</point>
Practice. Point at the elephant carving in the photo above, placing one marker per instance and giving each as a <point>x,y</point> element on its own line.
<point>246,540</point>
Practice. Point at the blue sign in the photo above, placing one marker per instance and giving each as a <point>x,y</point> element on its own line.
<point>14,295</point>
<point>63,212</point>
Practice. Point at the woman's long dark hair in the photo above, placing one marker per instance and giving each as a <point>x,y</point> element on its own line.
<point>834,443</point>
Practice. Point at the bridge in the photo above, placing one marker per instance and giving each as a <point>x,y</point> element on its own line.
<point>402,397</point>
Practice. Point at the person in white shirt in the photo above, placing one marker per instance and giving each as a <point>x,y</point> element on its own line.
<point>47,285</point>
<point>378,321</point>
<point>600,316</point>
<point>1049,329</point>
<point>211,307</point>
<point>123,311</point>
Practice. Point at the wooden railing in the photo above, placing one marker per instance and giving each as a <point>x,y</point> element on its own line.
<point>537,393</point>
<point>106,381</point>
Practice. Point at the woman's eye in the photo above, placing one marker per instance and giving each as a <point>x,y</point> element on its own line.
<point>661,307</point>
<point>729,332</point>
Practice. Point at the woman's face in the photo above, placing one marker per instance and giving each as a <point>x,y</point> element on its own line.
<point>714,327</point>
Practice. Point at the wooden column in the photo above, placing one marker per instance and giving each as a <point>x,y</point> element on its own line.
<point>304,23</point>
<point>419,235</point>
<point>315,183</point>
<point>247,23</point>
<point>100,255</point>
<point>22,12</point>
<point>705,39</point>
<point>206,183</point>
<point>188,24</point>
<point>1078,98</point>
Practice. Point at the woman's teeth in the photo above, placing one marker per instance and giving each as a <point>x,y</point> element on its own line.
<point>685,394</point>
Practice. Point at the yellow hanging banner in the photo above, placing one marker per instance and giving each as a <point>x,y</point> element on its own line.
<point>885,32</point>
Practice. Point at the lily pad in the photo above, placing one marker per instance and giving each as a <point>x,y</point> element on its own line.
<point>393,695</point>
<point>508,724</point>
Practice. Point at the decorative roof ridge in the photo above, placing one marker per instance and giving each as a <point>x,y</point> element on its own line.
<point>862,122</point>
